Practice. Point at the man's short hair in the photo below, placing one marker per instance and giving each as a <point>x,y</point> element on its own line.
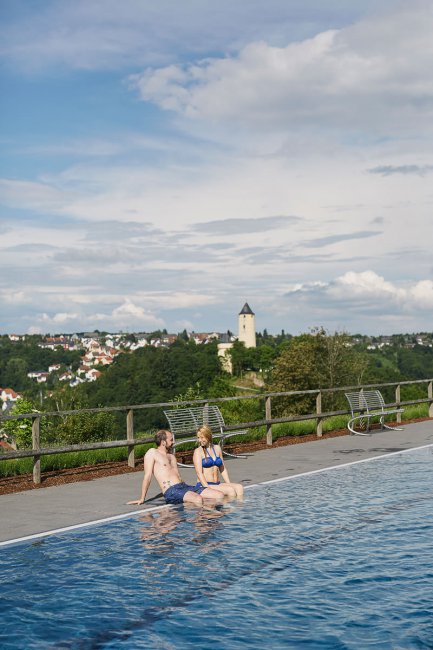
<point>160,436</point>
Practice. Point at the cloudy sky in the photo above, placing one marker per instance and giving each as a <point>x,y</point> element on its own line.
<point>164,162</point>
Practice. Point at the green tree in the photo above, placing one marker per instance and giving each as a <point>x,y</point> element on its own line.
<point>312,361</point>
<point>16,373</point>
<point>183,336</point>
<point>82,428</point>
<point>267,356</point>
<point>20,430</point>
<point>239,356</point>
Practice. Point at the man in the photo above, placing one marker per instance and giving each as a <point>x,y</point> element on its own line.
<point>161,463</point>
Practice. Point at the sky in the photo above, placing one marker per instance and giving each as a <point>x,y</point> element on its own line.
<point>162,163</point>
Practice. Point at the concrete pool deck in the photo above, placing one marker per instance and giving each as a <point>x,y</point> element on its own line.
<point>38,511</point>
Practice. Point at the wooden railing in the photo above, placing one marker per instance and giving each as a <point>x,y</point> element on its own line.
<point>268,421</point>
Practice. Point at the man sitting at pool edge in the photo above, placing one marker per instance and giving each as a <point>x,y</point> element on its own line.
<point>161,462</point>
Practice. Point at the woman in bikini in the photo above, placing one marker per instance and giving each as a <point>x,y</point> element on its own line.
<point>209,464</point>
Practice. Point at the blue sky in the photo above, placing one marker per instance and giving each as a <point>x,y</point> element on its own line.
<point>162,163</point>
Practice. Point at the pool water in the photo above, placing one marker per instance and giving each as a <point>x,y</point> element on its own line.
<point>337,559</point>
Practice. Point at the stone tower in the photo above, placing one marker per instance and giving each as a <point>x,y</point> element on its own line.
<point>247,326</point>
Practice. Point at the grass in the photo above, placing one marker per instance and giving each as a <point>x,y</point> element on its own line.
<point>53,462</point>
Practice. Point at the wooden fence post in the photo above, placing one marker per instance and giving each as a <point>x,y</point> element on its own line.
<point>36,445</point>
<point>130,436</point>
<point>430,396</point>
<point>268,416</point>
<point>319,425</point>
<point>397,402</point>
<point>206,413</point>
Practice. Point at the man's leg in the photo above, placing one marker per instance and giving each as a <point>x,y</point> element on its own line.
<point>196,495</point>
<point>192,497</point>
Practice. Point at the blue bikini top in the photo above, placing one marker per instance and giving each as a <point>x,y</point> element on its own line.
<point>208,461</point>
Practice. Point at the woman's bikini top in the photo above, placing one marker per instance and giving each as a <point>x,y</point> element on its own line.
<point>208,461</point>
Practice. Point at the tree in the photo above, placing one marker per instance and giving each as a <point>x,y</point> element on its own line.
<point>76,428</point>
<point>239,356</point>
<point>267,356</point>
<point>183,336</point>
<point>20,430</point>
<point>312,361</point>
<point>16,373</point>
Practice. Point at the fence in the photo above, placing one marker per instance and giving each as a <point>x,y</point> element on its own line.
<point>268,421</point>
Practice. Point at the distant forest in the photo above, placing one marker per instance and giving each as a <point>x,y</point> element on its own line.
<point>151,375</point>
<point>186,370</point>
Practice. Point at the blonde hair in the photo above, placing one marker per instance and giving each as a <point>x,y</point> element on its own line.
<point>206,432</point>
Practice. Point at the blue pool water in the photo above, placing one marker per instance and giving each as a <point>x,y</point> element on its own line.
<point>338,559</point>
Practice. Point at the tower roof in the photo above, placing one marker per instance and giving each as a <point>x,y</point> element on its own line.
<point>246,309</point>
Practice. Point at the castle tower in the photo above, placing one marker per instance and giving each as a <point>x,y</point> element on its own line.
<point>247,326</point>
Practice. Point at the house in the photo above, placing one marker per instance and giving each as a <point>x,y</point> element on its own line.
<point>93,374</point>
<point>75,381</point>
<point>35,374</point>
<point>8,397</point>
<point>53,342</point>
<point>6,445</point>
<point>66,376</point>
<point>199,337</point>
<point>103,360</point>
<point>141,343</point>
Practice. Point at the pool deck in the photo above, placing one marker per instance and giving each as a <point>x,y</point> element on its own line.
<point>52,508</point>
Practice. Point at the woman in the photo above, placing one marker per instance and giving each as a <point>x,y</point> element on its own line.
<point>208,463</point>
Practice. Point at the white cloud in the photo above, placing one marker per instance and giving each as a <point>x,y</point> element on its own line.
<point>305,287</point>
<point>352,286</point>
<point>183,325</point>
<point>129,311</point>
<point>11,297</point>
<point>31,195</point>
<point>133,311</point>
<point>60,318</point>
<point>369,286</point>
<point>128,315</point>
<point>354,77</point>
<point>422,294</point>
<point>168,217</point>
<point>179,299</point>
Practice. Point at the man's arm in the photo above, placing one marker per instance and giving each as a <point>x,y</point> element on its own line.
<point>149,462</point>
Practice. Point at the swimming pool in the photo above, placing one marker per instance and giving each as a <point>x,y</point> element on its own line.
<point>337,559</point>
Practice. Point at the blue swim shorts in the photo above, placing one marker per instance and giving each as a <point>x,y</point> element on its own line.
<point>175,493</point>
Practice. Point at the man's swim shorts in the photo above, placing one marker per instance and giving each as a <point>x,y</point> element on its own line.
<point>175,493</point>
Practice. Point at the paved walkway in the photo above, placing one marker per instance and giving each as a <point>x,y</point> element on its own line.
<point>38,511</point>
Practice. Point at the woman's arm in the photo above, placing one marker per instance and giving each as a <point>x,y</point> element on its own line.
<point>198,467</point>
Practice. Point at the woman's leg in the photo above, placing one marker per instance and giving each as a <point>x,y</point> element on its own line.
<point>212,493</point>
<point>226,488</point>
<point>239,489</point>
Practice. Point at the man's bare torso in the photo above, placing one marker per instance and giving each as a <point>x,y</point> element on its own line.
<point>165,470</point>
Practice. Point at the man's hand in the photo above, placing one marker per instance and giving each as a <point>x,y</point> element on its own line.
<point>137,502</point>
